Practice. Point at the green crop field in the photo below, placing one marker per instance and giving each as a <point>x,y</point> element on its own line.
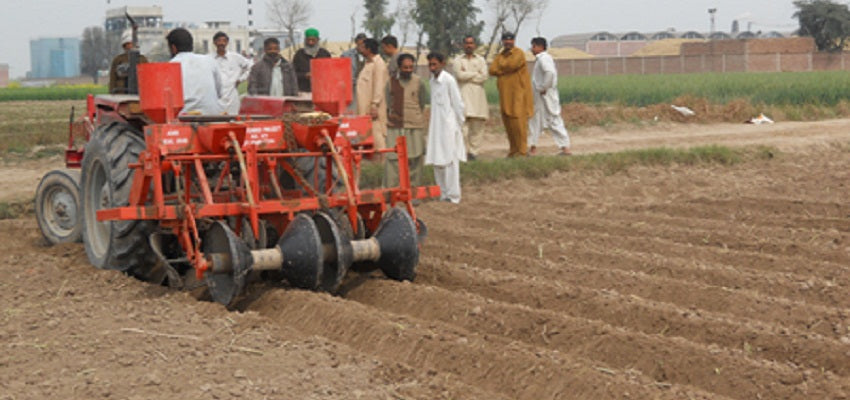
<point>62,92</point>
<point>39,116</point>
<point>788,88</point>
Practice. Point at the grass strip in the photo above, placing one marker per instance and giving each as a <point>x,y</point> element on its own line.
<point>821,88</point>
<point>15,209</point>
<point>69,92</point>
<point>489,171</point>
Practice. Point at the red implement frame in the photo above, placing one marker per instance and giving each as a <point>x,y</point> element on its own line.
<point>177,156</point>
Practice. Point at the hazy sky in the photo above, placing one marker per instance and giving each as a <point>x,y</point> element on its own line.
<point>31,19</point>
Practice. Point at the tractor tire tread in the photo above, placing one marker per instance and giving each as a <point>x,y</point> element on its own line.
<point>129,250</point>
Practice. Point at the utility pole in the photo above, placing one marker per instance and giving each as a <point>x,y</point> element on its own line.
<point>250,15</point>
<point>711,12</point>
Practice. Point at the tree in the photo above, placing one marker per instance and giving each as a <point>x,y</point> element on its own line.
<point>289,15</point>
<point>509,15</point>
<point>446,22</point>
<point>404,17</point>
<point>538,13</point>
<point>825,21</point>
<point>96,52</point>
<point>377,22</point>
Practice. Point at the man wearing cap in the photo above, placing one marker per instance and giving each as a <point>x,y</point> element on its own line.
<point>515,94</point>
<point>119,70</point>
<point>302,58</point>
<point>233,69</point>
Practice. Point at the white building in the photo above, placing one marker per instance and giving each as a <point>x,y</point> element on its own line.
<point>153,28</point>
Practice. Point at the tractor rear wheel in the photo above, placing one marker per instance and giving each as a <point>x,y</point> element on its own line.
<point>106,182</point>
<point>57,206</point>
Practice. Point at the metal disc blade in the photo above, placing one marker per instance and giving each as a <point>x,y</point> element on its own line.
<point>337,252</point>
<point>225,287</point>
<point>399,244</point>
<point>301,246</point>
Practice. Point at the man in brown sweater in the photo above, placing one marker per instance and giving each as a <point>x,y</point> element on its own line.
<point>272,75</point>
<point>515,95</point>
<point>406,98</point>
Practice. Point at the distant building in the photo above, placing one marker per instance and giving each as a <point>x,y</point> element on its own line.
<point>203,34</point>
<point>146,18</point>
<point>153,28</point>
<point>4,75</point>
<point>260,35</point>
<point>607,44</point>
<point>55,58</point>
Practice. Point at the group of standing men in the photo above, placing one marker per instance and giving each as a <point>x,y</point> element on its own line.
<point>393,95</point>
<point>528,104</point>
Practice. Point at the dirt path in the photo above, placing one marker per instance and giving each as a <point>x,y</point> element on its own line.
<point>784,136</point>
<point>673,282</point>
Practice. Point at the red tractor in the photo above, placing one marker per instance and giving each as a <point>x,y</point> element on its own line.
<point>210,201</point>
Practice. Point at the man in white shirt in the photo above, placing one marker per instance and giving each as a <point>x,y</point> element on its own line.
<point>471,73</point>
<point>547,104</point>
<point>201,80</point>
<point>233,69</point>
<point>445,150</point>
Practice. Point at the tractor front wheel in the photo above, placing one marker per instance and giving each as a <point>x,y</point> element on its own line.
<point>106,182</point>
<point>57,206</point>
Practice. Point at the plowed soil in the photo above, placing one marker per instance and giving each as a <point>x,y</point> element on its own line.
<point>680,282</point>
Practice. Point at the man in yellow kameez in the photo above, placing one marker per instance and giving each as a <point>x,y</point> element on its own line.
<point>515,94</point>
<point>371,87</point>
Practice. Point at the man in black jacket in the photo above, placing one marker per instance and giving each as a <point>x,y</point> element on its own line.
<point>302,58</point>
<point>272,75</point>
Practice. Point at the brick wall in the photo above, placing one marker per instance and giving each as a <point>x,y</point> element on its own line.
<point>604,48</point>
<point>619,48</point>
<point>753,55</point>
<point>782,46</point>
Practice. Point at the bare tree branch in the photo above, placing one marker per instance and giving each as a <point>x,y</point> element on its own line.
<point>405,19</point>
<point>96,51</point>
<point>289,15</point>
<point>500,11</point>
<point>541,10</point>
<point>509,15</point>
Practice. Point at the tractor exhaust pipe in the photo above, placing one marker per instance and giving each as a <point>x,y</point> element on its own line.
<point>133,55</point>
